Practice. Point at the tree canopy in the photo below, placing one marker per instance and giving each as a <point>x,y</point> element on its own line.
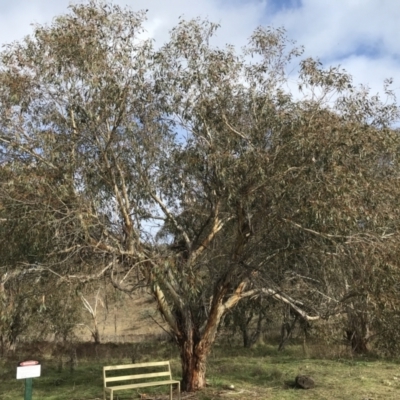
<point>193,170</point>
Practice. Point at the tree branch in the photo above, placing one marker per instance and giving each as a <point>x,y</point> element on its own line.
<point>169,215</point>
<point>164,309</point>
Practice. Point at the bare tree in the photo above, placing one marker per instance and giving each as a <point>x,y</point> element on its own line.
<point>93,313</point>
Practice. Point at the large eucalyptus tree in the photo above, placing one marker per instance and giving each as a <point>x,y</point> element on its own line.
<point>253,191</point>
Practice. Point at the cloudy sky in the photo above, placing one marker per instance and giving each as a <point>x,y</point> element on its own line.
<point>360,35</point>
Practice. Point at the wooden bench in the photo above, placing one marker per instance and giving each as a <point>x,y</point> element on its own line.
<point>138,378</point>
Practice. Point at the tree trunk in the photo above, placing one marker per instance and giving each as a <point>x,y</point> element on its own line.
<point>358,332</point>
<point>246,338</point>
<point>193,352</point>
<point>359,343</point>
<point>194,336</point>
<point>193,367</point>
<point>195,345</point>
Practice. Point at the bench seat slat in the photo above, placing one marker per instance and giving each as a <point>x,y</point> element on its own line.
<point>139,385</point>
<point>139,376</point>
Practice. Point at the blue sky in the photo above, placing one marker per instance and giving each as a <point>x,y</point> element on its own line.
<point>360,35</point>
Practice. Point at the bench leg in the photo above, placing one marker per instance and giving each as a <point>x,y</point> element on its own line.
<point>111,395</point>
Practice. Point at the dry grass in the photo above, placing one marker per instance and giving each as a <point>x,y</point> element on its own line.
<point>122,318</point>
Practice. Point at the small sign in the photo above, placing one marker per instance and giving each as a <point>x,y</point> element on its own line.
<point>28,369</point>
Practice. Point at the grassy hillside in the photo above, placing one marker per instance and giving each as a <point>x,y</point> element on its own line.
<point>123,318</point>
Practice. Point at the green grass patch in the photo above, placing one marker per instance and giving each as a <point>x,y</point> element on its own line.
<point>259,373</point>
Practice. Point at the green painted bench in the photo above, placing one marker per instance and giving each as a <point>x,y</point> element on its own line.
<point>137,378</point>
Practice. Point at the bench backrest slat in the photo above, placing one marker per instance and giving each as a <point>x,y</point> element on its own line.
<point>140,365</point>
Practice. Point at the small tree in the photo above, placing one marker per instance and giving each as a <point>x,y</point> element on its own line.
<point>248,318</point>
<point>93,313</point>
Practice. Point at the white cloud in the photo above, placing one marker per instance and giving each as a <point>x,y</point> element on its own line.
<point>336,28</point>
<point>360,35</point>
<point>373,72</point>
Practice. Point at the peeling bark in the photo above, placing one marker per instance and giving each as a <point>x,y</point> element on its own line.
<point>193,358</point>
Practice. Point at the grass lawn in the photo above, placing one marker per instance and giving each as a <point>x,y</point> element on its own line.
<point>259,373</point>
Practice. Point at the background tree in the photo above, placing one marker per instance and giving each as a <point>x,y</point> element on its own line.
<point>256,193</point>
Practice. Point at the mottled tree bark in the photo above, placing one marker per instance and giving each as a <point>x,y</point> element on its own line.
<point>193,361</point>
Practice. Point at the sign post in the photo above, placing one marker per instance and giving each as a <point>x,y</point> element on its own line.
<point>28,370</point>
<point>28,389</point>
